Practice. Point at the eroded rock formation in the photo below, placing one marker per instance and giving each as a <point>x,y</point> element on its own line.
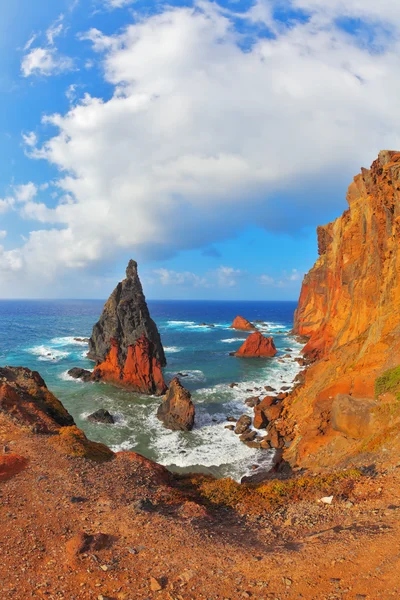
<point>349,309</point>
<point>177,411</point>
<point>242,324</point>
<point>125,342</point>
<point>256,345</point>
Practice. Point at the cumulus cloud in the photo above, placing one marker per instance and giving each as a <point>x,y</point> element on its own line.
<point>3,234</point>
<point>203,132</point>
<point>45,61</point>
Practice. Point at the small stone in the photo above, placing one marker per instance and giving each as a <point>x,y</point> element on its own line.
<point>155,585</point>
<point>104,567</point>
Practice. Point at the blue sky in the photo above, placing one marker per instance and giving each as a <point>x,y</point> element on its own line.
<point>205,139</point>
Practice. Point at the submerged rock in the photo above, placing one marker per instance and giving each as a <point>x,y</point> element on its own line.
<point>257,346</point>
<point>242,324</point>
<point>102,416</point>
<point>177,411</point>
<point>125,342</point>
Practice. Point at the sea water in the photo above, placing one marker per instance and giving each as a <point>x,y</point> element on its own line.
<point>41,335</point>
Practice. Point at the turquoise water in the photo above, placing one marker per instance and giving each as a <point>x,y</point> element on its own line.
<point>40,335</point>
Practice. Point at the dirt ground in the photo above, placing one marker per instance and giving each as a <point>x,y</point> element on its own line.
<point>159,544</point>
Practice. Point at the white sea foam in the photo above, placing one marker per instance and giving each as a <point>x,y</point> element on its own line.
<point>65,377</point>
<point>46,353</point>
<point>232,340</point>
<point>172,349</point>
<point>124,446</point>
<point>179,323</point>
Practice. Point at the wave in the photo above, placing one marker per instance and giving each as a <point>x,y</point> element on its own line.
<point>172,349</point>
<point>46,353</point>
<point>178,323</point>
<point>66,377</point>
<point>232,340</point>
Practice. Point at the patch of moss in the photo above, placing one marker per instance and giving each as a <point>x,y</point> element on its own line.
<point>72,441</point>
<point>388,382</point>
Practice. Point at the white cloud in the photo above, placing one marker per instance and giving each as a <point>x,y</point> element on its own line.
<point>118,3</point>
<point>3,234</point>
<point>179,278</point>
<point>266,280</point>
<point>30,139</point>
<point>25,192</point>
<point>45,61</point>
<point>30,41</point>
<point>201,134</point>
<point>228,276</point>
<point>55,30</point>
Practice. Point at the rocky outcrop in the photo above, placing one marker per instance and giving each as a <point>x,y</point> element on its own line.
<point>349,310</point>
<point>242,324</point>
<point>28,404</point>
<point>25,399</point>
<point>177,411</point>
<point>125,342</point>
<point>257,346</point>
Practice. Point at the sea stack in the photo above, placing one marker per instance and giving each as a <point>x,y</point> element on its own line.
<point>125,342</point>
<point>177,410</point>
<point>242,324</point>
<point>257,346</point>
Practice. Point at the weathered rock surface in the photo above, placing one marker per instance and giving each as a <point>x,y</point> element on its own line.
<point>177,412</point>
<point>242,324</point>
<point>257,346</point>
<point>353,416</point>
<point>125,342</point>
<point>349,310</point>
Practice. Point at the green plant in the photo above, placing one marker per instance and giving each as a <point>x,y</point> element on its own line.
<point>388,382</point>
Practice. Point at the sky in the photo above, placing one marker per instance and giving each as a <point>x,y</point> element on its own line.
<point>206,140</point>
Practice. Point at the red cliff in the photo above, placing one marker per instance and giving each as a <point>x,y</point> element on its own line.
<point>256,345</point>
<point>125,342</point>
<point>349,308</point>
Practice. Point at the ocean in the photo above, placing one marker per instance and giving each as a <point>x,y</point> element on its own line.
<point>40,335</point>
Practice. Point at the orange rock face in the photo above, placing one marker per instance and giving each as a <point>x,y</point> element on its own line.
<point>141,371</point>
<point>242,324</point>
<point>349,308</point>
<point>256,346</point>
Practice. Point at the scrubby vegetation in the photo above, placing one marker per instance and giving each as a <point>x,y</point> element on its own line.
<point>388,382</point>
<point>73,441</point>
<point>252,498</point>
